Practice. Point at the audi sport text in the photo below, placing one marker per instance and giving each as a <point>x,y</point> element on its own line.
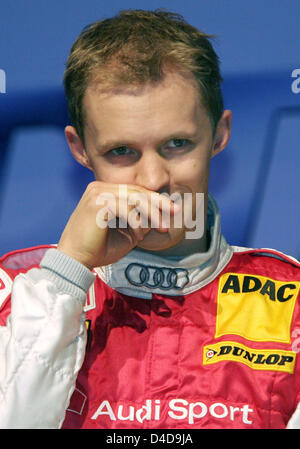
<point>178,409</point>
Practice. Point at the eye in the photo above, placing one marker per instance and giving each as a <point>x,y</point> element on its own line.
<point>121,151</point>
<point>177,147</point>
<point>177,143</point>
<point>122,155</point>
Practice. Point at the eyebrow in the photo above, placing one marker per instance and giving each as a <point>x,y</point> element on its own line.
<point>124,143</point>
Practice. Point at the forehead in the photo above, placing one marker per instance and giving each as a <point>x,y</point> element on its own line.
<point>171,105</point>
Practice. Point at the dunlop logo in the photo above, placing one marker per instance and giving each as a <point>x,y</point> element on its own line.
<point>257,359</point>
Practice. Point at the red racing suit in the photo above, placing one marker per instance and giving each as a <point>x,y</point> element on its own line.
<point>208,341</point>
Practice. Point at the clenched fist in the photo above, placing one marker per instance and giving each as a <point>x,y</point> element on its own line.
<point>89,236</point>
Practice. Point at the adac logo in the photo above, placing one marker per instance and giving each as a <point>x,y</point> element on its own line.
<point>274,290</point>
<point>255,307</point>
<point>257,359</point>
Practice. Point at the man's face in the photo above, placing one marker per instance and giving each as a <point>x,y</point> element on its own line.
<point>158,137</point>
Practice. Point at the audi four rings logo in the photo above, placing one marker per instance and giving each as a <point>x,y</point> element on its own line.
<point>156,277</point>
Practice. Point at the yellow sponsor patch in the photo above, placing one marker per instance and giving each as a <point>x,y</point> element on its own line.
<point>255,307</point>
<point>257,359</point>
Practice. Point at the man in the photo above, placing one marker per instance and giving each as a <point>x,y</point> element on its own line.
<point>176,331</point>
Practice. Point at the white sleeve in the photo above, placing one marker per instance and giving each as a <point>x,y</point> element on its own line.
<point>43,344</point>
<point>294,422</point>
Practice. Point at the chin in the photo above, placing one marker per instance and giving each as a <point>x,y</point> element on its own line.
<point>157,241</point>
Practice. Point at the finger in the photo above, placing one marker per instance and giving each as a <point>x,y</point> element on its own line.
<point>125,204</point>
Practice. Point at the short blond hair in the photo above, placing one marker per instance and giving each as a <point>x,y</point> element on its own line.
<point>136,47</point>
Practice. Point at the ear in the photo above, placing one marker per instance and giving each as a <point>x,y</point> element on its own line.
<point>222,134</point>
<point>77,147</point>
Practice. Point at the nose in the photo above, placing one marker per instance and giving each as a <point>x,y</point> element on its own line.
<point>152,172</point>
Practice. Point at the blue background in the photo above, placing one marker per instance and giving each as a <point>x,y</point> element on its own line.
<point>255,180</point>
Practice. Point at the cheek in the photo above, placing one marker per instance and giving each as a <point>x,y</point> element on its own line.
<point>194,174</point>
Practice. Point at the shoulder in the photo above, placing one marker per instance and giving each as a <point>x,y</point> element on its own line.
<point>266,271</point>
<point>259,296</point>
<point>266,261</point>
<point>15,262</point>
<point>23,259</point>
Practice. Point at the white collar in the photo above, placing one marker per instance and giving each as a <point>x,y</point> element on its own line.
<point>154,274</point>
